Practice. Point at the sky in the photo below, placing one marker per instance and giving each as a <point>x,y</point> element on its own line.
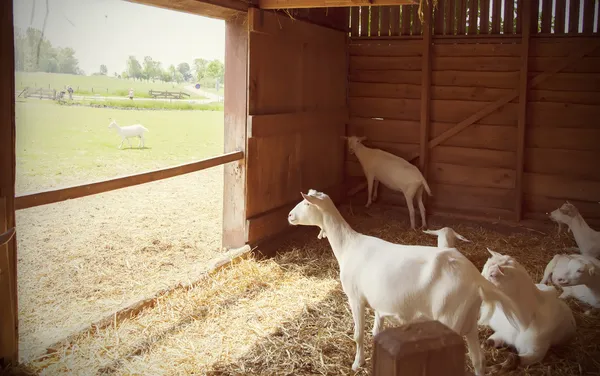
<point>109,31</point>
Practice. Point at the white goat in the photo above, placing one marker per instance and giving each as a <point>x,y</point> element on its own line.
<point>135,130</point>
<point>446,237</point>
<point>587,239</point>
<point>552,321</point>
<point>406,282</point>
<point>394,172</point>
<point>577,275</point>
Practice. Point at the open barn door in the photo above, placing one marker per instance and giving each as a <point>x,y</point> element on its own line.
<point>8,246</point>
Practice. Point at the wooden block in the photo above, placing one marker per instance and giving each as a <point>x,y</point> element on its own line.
<point>384,63</point>
<point>424,349</point>
<point>501,80</point>
<point>569,163</point>
<point>465,156</point>
<point>563,138</point>
<point>408,48</point>
<point>387,76</point>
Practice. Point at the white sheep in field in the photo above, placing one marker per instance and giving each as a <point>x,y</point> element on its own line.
<point>587,239</point>
<point>577,275</point>
<point>129,131</point>
<point>405,282</point>
<point>552,322</point>
<point>446,237</point>
<point>394,172</point>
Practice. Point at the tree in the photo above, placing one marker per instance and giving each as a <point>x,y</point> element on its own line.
<point>185,70</point>
<point>33,53</point>
<point>103,70</point>
<point>215,69</point>
<point>200,68</point>
<point>151,69</point>
<point>134,68</point>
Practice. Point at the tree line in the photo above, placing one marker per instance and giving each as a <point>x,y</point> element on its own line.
<point>35,53</point>
<point>150,69</point>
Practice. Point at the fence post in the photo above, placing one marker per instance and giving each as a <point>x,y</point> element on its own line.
<point>419,349</point>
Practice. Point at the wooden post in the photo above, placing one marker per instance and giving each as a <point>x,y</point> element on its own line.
<point>523,83</point>
<point>419,349</point>
<point>236,114</point>
<point>425,92</point>
<point>8,261</point>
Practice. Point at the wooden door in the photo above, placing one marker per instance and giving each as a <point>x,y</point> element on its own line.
<point>8,246</point>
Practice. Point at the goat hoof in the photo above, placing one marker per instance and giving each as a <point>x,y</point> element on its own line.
<point>357,364</point>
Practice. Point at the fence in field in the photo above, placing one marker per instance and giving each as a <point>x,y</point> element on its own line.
<point>39,93</point>
<point>167,94</point>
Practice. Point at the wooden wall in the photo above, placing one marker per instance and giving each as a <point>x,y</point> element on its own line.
<point>297,112</point>
<point>474,172</point>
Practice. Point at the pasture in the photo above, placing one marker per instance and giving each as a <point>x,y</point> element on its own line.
<point>95,85</point>
<point>59,146</point>
<point>83,259</point>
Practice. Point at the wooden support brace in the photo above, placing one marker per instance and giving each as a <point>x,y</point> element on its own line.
<point>419,349</point>
<point>522,108</point>
<point>426,92</point>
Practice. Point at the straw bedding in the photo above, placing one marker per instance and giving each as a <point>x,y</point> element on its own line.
<point>83,259</point>
<point>287,315</point>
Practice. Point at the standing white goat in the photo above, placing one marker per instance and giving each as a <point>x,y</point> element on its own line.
<point>129,131</point>
<point>406,282</point>
<point>394,172</point>
<point>446,237</point>
<point>578,276</point>
<point>552,321</point>
<point>587,239</point>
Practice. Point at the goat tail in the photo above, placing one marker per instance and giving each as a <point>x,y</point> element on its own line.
<point>491,295</point>
<point>426,186</point>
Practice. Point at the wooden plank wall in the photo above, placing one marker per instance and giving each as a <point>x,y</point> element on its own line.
<point>297,115</point>
<point>474,172</point>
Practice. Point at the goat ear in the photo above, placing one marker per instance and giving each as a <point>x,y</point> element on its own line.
<point>549,269</point>
<point>431,232</point>
<point>493,253</point>
<point>344,137</point>
<point>461,237</point>
<point>311,199</point>
<point>361,138</point>
<point>592,270</point>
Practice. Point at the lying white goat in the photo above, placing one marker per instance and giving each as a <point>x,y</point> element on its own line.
<point>552,321</point>
<point>394,172</point>
<point>127,132</point>
<point>405,282</point>
<point>577,275</point>
<point>587,239</point>
<point>446,237</point>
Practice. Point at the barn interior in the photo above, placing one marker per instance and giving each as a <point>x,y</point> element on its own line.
<point>496,102</point>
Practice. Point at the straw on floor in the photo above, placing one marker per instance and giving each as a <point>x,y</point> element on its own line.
<point>288,315</point>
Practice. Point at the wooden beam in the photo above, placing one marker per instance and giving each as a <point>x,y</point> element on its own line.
<point>290,4</point>
<point>221,9</point>
<point>425,90</point>
<point>523,78</point>
<point>425,348</point>
<point>236,112</point>
<point>9,323</point>
<point>49,197</point>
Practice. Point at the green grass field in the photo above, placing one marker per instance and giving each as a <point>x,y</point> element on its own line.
<point>101,85</point>
<point>59,146</point>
